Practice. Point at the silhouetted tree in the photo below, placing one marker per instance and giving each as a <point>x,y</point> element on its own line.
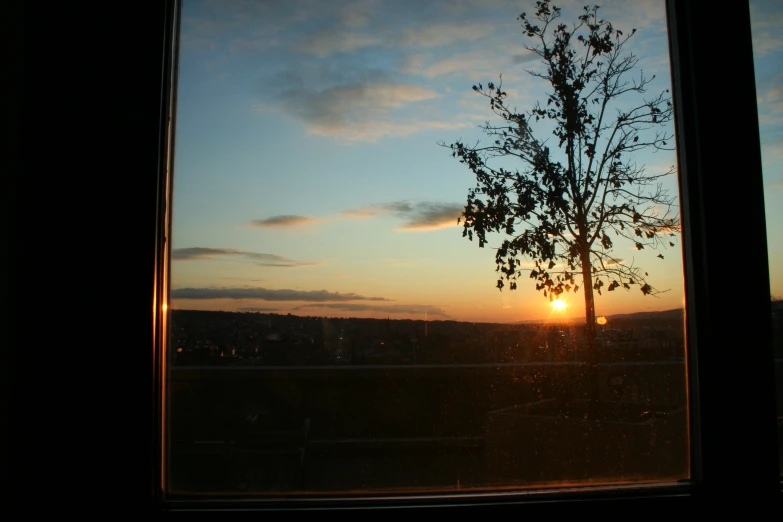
<point>566,203</point>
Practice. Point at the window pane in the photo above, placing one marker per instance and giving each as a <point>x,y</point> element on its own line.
<point>335,327</point>
<point>767,26</point>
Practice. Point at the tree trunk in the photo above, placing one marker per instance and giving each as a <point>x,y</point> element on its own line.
<point>590,331</point>
<point>587,285</point>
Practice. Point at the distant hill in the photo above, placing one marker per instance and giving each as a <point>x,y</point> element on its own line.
<point>638,316</point>
<point>664,314</point>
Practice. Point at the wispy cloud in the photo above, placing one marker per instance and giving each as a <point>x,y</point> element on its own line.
<point>474,65</point>
<point>358,13</point>
<point>767,20</point>
<point>283,221</point>
<point>771,99</point>
<point>267,294</point>
<point>524,58</point>
<point>437,35</point>
<point>341,31</point>
<point>390,309</point>
<point>766,43</point>
<point>204,253</point>
<point>767,120</point>
<point>777,184</point>
<point>372,131</point>
<point>354,111</point>
<point>414,63</point>
<point>458,63</point>
<point>418,216</point>
<point>433,216</point>
<point>328,42</point>
<point>346,35</point>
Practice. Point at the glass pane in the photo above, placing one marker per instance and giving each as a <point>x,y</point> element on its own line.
<point>767,27</point>
<point>335,326</point>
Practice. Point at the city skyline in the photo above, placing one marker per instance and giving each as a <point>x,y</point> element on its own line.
<point>307,175</point>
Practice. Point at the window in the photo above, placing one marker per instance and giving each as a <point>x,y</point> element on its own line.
<point>767,58</point>
<point>334,333</point>
<point>716,464</point>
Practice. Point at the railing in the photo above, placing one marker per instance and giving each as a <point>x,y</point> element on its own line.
<point>395,414</point>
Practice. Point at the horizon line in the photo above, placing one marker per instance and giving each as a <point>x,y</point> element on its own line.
<point>549,320</point>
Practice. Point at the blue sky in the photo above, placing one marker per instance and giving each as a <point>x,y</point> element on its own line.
<point>307,173</point>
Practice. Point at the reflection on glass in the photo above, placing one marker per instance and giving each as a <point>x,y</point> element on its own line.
<point>332,328</point>
<point>767,28</point>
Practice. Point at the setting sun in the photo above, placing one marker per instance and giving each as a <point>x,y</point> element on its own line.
<point>557,304</point>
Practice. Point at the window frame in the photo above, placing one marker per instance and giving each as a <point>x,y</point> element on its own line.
<point>729,465</point>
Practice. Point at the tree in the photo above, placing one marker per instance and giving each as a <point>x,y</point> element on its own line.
<point>565,205</point>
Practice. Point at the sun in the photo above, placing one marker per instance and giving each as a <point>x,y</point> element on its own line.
<point>557,304</point>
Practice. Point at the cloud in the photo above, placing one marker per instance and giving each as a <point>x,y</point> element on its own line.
<point>777,184</point>
<point>283,221</point>
<point>768,120</point>
<point>413,63</point>
<point>203,253</point>
<point>473,62</point>
<point>372,131</point>
<point>433,216</point>
<point>356,111</point>
<point>327,42</point>
<point>765,43</point>
<point>475,65</point>
<point>766,19</point>
<point>418,216</point>
<point>437,35</point>
<point>341,32</point>
<point>374,210</point>
<point>267,294</point>
<point>357,14</point>
<point>257,309</point>
<point>524,58</point>
<point>770,102</point>
<point>391,309</point>
<point>772,153</point>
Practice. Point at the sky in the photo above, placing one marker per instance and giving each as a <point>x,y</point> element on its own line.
<point>308,178</point>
